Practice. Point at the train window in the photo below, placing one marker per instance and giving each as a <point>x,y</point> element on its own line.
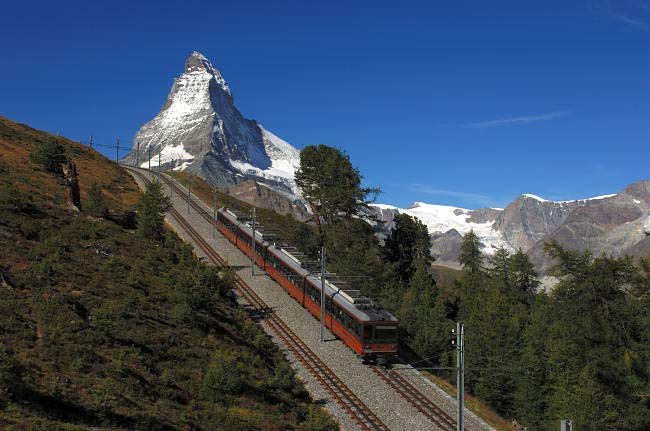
<point>367,332</point>
<point>385,333</point>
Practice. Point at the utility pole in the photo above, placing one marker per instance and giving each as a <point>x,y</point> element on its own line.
<point>117,150</point>
<point>253,246</point>
<point>137,156</point>
<point>460,374</point>
<point>91,141</point>
<point>322,294</point>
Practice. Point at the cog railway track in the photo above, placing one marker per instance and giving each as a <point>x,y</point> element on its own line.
<point>416,398</point>
<point>337,389</point>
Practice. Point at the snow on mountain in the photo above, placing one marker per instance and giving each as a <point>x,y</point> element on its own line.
<point>613,224</point>
<point>285,160</point>
<point>537,198</point>
<point>440,219</point>
<point>199,129</point>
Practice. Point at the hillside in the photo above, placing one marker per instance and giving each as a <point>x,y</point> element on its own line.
<point>102,329</point>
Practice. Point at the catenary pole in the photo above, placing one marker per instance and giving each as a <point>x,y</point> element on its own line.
<point>214,210</point>
<point>91,141</point>
<point>253,246</point>
<point>117,150</point>
<point>149,157</point>
<point>189,193</point>
<point>322,294</point>
<point>171,189</point>
<point>137,155</point>
<point>159,151</point>
<point>460,371</point>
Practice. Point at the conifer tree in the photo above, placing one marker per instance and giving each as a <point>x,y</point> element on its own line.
<point>470,253</point>
<point>51,155</point>
<point>408,243</point>
<point>330,184</point>
<point>523,276</point>
<point>500,266</point>
<point>151,211</point>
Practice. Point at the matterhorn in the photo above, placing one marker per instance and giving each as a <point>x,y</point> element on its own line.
<point>199,130</point>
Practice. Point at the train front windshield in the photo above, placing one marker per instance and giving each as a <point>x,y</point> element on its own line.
<point>385,334</point>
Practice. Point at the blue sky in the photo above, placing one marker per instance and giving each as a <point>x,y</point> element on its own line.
<point>465,103</point>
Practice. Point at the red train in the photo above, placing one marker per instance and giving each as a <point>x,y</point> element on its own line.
<point>369,330</point>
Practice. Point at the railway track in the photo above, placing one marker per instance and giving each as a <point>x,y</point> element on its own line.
<point>337,389</point>
<point>416,398</point>
<point>402,386</point>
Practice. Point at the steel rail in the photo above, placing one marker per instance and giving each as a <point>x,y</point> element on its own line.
<point>416,398</point>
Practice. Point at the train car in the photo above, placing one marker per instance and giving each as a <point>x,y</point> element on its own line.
<point>366,328</point>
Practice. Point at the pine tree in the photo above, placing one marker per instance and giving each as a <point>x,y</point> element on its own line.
<point>330,184</point>
<point>151,211</point>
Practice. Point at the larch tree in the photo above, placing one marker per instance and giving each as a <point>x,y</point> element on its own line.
<point>470,253</point>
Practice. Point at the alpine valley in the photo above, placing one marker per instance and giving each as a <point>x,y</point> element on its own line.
<point>199,130</point>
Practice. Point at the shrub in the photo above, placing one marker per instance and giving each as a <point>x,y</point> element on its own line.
<point>51,156</point>
<point>223,377</point>
<point>9,375</point>
<point>17,201</point>
<point>95,202</point>
<point>317,420</point>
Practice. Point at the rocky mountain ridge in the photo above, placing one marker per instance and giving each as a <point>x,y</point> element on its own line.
<point>611,224</point>
<point>199,130</point>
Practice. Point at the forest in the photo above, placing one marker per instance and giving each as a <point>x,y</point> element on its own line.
<point>579,351</point>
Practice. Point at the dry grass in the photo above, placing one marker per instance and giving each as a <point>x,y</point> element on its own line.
<point>473,404</point>
<point>18,140</point>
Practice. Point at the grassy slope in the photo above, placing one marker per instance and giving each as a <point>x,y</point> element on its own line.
<point>17,141</point>
<point>102,329</point>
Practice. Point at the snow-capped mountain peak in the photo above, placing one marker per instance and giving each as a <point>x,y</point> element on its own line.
<point>198,63</point>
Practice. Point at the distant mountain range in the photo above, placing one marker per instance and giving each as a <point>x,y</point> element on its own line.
<point>199,130</point>
<point>611,224</point>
